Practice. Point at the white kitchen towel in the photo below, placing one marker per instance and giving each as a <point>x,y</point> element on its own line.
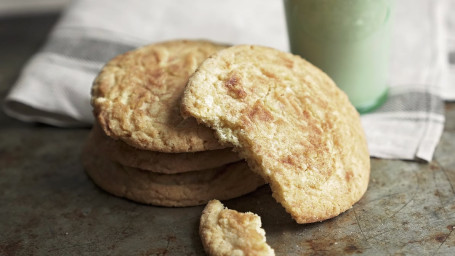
<point>54,86</point>
<point>448,38</point>
<point>410,123</point>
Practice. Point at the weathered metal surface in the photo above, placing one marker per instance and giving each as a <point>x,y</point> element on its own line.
<point>48,206</point>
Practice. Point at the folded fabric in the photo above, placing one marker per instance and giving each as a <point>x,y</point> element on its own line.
<point>54,87</point>
<point>409,125</point>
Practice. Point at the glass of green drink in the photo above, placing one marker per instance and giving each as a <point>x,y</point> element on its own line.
<point>347,39</point>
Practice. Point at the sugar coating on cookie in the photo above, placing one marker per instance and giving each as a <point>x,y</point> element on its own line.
<point>290,122</point>
<point>228,232</point>
<point>136,97</point>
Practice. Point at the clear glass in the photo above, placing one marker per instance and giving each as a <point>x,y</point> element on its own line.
<point>347,39</point>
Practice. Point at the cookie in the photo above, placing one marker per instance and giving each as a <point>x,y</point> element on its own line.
<point>169,163</point>
<point>290,122</point>
<point>185,189</point>
<point>136,96</point>
<point>228,232</point>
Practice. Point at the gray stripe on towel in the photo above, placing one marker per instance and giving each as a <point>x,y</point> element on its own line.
<point>413,101</point>
<point>87,49</point>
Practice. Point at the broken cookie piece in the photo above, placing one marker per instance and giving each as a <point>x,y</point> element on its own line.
<point>228,232</point>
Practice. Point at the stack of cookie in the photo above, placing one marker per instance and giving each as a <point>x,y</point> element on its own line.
<point>142,149</point>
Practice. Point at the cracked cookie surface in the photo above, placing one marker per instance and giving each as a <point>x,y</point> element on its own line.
<point>136,97</point>
<point>290,122</point>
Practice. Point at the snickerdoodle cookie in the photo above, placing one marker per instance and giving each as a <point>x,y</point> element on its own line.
<point>136,97</point>
<point>290,122</point>
<point>124,154</point>
<point>183,189</point>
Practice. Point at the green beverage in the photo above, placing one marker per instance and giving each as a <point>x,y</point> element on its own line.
<point>349,40</point>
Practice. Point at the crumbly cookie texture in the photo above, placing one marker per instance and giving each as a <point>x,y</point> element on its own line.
<point>136,97</point>
<point>290,122</point>
<point>226,232</point>
<point>169,163</point>
<point>174,190</point>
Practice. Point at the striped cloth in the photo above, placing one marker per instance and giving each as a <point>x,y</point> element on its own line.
<point>54,86</point>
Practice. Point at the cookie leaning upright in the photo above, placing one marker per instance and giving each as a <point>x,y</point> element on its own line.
<point>136,97</point>
<point>290,122</point>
